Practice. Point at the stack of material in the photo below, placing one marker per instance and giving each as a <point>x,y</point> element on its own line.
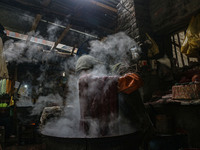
<point>186,92</point>
<point>50,113</point>
<point>98,103</point>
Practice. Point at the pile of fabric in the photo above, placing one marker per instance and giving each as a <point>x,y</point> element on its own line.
<point>49,113</point>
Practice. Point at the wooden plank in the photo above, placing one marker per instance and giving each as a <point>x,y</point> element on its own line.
<point>72,53</point>
<point>188,59</point>
<point>175,50</point>
<point>62,36</point>
<point>179,42</point>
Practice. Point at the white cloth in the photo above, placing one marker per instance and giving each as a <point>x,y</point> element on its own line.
<point>3,65</point>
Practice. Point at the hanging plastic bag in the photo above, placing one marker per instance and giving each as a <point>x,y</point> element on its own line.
<point>154,47</point>
<point>191,44</point>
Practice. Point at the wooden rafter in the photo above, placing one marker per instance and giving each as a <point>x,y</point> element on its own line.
<point>62,36</point>
<point>36,22</point>
<point>47,10</point>
<point>103,5</point>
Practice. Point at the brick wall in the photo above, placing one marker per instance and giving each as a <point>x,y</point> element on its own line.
<point>127,18</point>
<point>134,19</point>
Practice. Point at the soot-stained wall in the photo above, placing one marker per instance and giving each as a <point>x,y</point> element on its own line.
<point>171,15</point>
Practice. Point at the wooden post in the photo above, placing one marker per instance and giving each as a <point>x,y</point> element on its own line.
<point>36,21</point>
<point>72,53</point>
<point>175,49</point>
<point>179,42</point>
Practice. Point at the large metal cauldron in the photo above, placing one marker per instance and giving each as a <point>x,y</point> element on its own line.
<point>122,142</point>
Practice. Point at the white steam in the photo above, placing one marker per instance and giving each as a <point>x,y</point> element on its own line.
<point>118,48</point>
<point>44,101</point>
<point>24,102</point>
<point>52,30</point>
<point>68,125</point>
<point>115,48</point>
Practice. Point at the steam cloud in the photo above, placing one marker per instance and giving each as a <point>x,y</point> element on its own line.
<point>24,102</point>
<point>44,101</point>
<point>116,48</point>
<point>68,124</point>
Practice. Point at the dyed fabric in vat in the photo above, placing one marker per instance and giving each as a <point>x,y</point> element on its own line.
<point>98,102</point>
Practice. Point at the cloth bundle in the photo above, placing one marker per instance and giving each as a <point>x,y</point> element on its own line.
<point>129,83</point>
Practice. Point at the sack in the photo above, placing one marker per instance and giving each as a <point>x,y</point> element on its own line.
<point>191,44</point>
<point>129,83</point>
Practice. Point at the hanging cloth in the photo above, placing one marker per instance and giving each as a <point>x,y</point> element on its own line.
<point>191,44</point>
<point>3,66</point>
<point>8,86</point>
<point>0,87</point>
<point>3,87</point>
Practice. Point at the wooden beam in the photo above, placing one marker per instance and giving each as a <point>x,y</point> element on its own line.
<point>33,28</point>
<point>103,5</point>
<point>36,21</point>
<point>62,36</point>
<point>72,53</point>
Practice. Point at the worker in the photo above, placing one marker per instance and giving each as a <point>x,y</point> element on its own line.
<point>131,106</point>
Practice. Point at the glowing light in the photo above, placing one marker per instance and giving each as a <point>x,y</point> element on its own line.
<point>63,74</point>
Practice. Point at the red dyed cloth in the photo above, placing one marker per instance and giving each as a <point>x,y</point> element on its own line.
<point>98,98</point>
